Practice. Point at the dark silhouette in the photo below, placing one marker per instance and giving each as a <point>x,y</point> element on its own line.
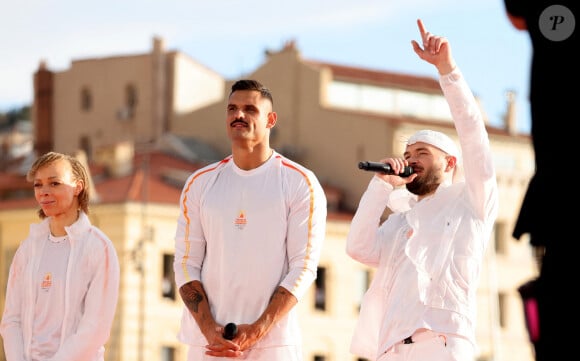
<point>551,26</point>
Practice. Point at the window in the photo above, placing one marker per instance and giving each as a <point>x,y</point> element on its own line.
<point>85,146</point>
<point>127,111</point>
<point>362,284</point>
<point>320,289</point>
<point>383,100</point>
<point>131,96</point>
<point>500,239</point>
<point>502,302</point>
<point>86,99</point>
<point>167,353</point>
<point>168,279</point>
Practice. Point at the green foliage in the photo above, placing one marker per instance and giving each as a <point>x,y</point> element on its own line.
<point>9,118</point>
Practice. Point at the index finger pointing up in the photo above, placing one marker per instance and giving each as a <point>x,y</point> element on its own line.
<point>421,29</point>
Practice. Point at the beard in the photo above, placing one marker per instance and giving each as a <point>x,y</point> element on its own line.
<point>425,183</point>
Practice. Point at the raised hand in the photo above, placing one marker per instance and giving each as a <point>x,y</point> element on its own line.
<point>435,50</point>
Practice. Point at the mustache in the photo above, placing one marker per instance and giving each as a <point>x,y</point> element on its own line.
<point>238,120</point>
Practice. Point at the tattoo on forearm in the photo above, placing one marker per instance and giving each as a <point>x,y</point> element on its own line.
<point>278,292</point>
<point>191,297</point>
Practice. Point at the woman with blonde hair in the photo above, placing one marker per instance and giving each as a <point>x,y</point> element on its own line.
<point>63,282</point>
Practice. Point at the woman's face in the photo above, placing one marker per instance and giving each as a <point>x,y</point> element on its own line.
<point>55,189</point>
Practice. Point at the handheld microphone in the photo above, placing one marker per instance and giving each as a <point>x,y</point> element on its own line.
<point>230,331</point>
<point>384,168</point>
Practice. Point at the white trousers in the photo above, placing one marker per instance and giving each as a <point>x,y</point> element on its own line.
<point>431,346</point>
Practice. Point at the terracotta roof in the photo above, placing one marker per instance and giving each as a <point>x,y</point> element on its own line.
<point>11,181</point>
<point>152,180</point>
<point>156,177</point>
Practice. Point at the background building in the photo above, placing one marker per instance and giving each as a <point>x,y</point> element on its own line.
<point>144,122</point>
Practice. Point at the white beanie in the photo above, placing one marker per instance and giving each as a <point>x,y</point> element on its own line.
<point>436,139</point>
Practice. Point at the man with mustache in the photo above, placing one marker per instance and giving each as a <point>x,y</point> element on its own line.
<point>248,241</point>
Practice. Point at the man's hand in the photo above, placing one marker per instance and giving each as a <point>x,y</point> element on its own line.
<point>436,50</point>
<point>221,347</point>
<point>398,166</point>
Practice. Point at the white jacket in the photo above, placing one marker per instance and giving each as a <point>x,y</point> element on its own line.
<point>428,254</point>
<point>91,293</point>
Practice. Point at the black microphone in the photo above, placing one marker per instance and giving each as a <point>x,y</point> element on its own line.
<point>384,168</point>
<point>230,331</point>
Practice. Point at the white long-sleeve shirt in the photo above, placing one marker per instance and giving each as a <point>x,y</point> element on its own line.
<point>243,234</point>
<point>91,291</point>
<point>429,253</point>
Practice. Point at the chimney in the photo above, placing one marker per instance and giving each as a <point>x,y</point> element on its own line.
<point>510,118</point>
<point>117,159</point>
<point>42,109</point>
<point>159,88</point>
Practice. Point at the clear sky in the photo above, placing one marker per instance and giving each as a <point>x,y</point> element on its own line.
<point>231,36</point>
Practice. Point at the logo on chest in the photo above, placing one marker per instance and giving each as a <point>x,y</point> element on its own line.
<point>46,282</point>
<point>240,221</point>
